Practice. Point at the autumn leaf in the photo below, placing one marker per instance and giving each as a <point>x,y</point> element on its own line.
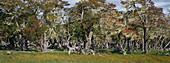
<point>3,37</point>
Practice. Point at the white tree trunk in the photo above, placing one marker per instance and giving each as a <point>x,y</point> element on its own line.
<point>167,45</point>
<point>44,44</point>
<point>89,38</point>
<point>82,15</point>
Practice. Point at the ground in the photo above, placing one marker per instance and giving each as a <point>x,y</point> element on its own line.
<point>63,57</point>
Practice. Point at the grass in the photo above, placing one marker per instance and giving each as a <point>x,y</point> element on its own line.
<point>62,57</point>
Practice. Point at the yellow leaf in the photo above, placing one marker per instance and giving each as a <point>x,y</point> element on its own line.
<point>84,25</point>
<point>52,17</point>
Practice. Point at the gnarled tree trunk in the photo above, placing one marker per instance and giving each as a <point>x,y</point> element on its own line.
<point>44,44</point>
<point>89,40</point>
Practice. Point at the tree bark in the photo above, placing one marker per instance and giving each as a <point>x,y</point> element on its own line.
<point>93,45</point>
<point>21,42</point>
<point>161,46</point>
<point>12,44</point>
<point>89,39</point>
<point>121,46</point>
<point>167,45</point>
<point>144,37</point>
<point>26,45</point>
<point>44,44</point>
<point>82,14</point>
<point>107,45</point>
<point>128,45</point>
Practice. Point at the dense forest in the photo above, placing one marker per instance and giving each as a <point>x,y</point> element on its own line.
<point>90,26</point>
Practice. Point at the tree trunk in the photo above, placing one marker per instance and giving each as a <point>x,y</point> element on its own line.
<point>123,48</point>
<point>135,46</point>
<point>26,45</point>
<point>127,39</point>
<point>59,42</point>
<point>12,44</point>
<point>93,45</point>
<point>128,45</point>
<point>107,45</point>
<point>89,39</point>
<point>82,14</point>
<point>167,45</point>
<point>143,45</point>
<point>21,42</point>
<point>44,44</point>
<point>161,46</point>
<point>144,38</point>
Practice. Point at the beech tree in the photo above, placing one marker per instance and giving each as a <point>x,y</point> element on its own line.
<point>116,21</point>
<point>46,8</point>
<point>86,16</point>
<point>146,14</point>
<point>14,12</point>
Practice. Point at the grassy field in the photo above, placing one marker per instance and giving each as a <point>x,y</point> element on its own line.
<point>62,57</point>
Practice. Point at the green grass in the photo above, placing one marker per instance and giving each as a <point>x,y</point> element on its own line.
<point>62,57</point>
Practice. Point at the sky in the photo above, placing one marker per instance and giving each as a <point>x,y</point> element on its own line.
<point>165,4</point>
